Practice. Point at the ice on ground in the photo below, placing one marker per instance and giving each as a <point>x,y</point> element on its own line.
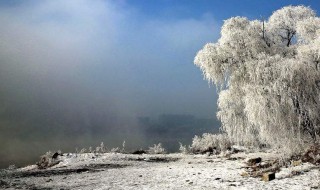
<point>171,171</point>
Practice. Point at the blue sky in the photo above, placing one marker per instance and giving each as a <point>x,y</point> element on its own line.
<point>221,10</point>
<point>133,58</point>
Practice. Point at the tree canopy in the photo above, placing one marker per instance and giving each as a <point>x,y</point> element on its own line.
<point>268,78</point>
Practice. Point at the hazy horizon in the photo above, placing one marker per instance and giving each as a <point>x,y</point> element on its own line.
<point>78,72</point>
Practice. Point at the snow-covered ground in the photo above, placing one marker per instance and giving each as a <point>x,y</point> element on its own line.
<point>171,171</point>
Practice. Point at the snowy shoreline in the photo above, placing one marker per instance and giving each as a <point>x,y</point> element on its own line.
<point>165,171</point>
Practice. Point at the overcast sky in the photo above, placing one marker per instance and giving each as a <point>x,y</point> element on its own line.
<point>107,53</point>
<point>134,57</point>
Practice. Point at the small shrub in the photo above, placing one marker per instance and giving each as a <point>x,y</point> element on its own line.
<point>12,167</point>
<point>82,151</point>
<point>214,143</point>
<point>123,147</point>
<point>184,149</point>
<point>119,150</point>
<point>157,149</point>
<point>115,150</point>
<point>101,148</point>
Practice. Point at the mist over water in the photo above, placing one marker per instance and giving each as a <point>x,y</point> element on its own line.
<point>21,146</point>
<point>78,73</point>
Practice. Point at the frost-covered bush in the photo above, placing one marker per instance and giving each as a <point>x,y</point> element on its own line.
<point>214,143</point>
<point>123,147</point>
<point>83,150</point>
<point>12,167</point>
<point>119,150</point>
<point>101,149</point>
<point>184,149</point>
<point>157,149</point>
<point>268,77</point>
<point>115,150</point>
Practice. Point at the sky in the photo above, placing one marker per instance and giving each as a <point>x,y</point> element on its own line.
<point>70,65</point>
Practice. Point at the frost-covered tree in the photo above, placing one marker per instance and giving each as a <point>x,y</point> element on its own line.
<point>268,78</point>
